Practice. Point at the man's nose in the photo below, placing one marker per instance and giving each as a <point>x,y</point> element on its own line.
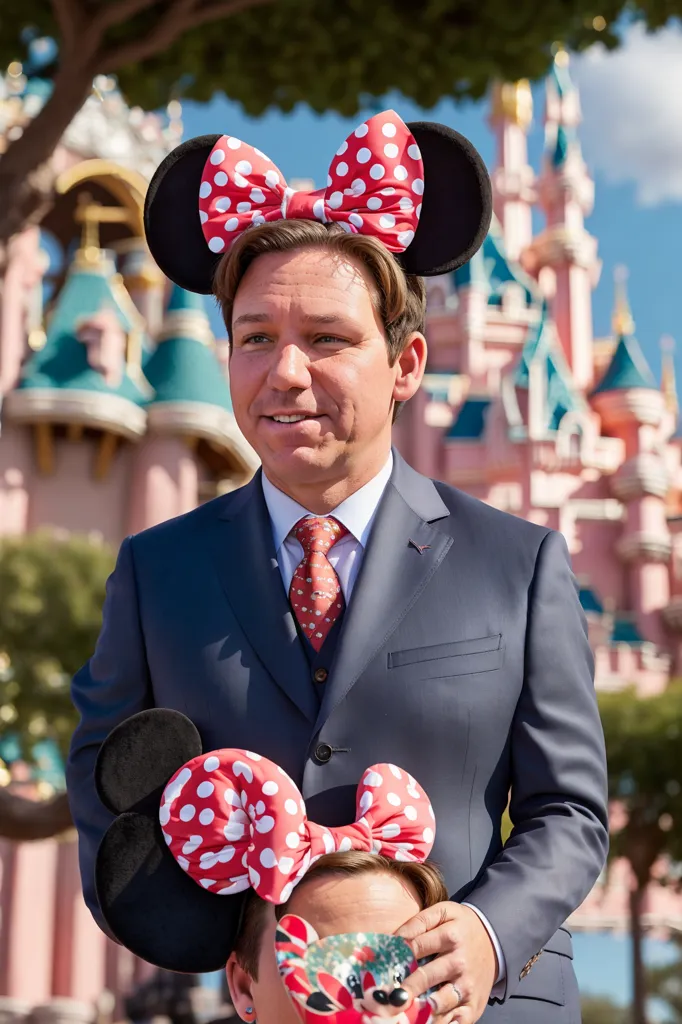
<point>289,368</point>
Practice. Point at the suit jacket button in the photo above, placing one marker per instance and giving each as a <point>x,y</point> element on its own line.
<point>323,753</point>
<point>320,675</point>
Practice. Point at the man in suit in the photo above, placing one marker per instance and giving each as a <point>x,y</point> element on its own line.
<point>342,609</point>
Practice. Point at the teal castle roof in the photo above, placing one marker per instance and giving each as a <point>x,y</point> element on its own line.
<point>628,368</point>
<point>565,137</point>
<point>590,601</point>
<point>560,76</point>
<point>560,136</point>
<point>625,632</point>
<point>561,395</point>
<point>490,268</point>
<point>470,422</point>
<point>184,366</point>
<point>62,363</point>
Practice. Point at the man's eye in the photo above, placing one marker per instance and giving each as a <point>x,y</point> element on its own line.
<point>255,338</point>
<point>330,338</point>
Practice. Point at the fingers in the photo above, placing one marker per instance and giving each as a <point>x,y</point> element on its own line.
<point>444,968</point>
<point>444,939</point>
<point>428,919</point>
<point>448,998</point>
<point>464,1015</point>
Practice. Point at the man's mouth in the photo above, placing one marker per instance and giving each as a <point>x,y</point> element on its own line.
<point>292,418</point>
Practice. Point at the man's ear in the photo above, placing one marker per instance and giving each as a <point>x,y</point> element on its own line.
<point>240,985</point>
<point>411,366</point>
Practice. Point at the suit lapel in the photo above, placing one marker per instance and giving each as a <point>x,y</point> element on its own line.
<point>403,552</point>
<point>246,563</point>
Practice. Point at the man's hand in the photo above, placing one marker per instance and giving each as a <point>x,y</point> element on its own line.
<point>465,958</point>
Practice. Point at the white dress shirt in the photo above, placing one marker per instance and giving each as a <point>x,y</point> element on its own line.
<point>357,514</point>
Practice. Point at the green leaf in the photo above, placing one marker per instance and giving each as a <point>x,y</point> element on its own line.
<point>50,616</point>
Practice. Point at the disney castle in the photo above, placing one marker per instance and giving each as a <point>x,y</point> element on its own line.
<point>116,415</point>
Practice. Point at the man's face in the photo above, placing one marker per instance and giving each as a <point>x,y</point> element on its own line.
<point>333,905</point>
<point>307,341</point>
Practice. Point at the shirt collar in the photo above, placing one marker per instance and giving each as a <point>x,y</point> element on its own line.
<point>356,513</point>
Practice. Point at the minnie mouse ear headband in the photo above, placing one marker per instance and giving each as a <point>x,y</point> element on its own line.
<point>194,830</point>
<point>421,189</point>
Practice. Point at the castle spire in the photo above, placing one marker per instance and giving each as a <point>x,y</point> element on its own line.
<point>566,194</point>
<point>668,381</point>
<point>511,114</point>
<point>621,321</point>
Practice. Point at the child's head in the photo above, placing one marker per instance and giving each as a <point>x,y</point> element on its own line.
<point>341,893</point>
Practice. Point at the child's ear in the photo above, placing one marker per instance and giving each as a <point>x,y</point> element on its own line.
<point>240,986</point>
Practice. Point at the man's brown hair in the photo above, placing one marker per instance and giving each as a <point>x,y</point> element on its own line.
<point>399,299</point>
<point>426,880</point>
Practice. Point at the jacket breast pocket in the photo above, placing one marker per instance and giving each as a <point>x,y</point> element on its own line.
<point>461,657</point>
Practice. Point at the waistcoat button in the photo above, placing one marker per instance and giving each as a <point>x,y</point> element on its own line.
<point>323,753</point>
<point>320,675</point>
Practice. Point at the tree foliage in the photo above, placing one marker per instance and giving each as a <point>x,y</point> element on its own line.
<point>328,53</point>
<point>645,783</point>
<point>50,616</point>
<point>664,983</point>
<point>331,54</point>
<point>644,744</point>
<point>600,1010</point>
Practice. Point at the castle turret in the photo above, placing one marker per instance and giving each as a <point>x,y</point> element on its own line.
<point>87,376</point>
<point>632,407</point>
<point>492,287</point>
<point>143,280</point>
<point>192,433</point>
<point>566,195</point>
<point>513,179</point>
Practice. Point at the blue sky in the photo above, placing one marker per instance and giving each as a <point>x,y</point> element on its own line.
<point>632,143</point>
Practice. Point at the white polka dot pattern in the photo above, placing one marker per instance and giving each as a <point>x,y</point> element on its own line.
<point>238,178</point>
<point>234,820</point>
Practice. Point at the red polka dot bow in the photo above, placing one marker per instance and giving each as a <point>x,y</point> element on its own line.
<point>234,820</point>
<point>374,187</point>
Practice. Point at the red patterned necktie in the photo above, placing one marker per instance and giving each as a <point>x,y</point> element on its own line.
<point>315,591</point>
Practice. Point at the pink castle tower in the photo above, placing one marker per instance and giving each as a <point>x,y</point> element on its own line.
<point>513,179</point>
<point>523,408</point>
<point>633,408</point>
<point>564,254</point>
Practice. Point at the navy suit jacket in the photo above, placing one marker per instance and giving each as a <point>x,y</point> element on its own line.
<point>463,658</point>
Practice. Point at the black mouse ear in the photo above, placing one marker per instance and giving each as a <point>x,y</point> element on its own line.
<point>171,217</point>
<point>154,909</point>
<point>457,203</point>
<point>140,755</point>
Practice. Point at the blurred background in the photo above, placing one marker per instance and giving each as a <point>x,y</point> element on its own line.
<point>550,392</point>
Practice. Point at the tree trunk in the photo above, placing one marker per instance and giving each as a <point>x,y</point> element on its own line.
<point>26,176</point>
<point>638,970</point>
<point>22,819</point>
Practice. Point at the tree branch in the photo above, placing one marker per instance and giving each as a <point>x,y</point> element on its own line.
<point>69,17</point>
<point>215,11</point>
<point>116,13</point>
<point>30,820</point>
<point>180,17</point>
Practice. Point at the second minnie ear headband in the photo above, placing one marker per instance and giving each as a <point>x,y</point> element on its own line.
<point>193,830</point>
<point>421,188</point>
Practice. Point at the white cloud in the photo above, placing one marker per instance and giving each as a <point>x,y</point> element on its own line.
<point>632,112</point>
